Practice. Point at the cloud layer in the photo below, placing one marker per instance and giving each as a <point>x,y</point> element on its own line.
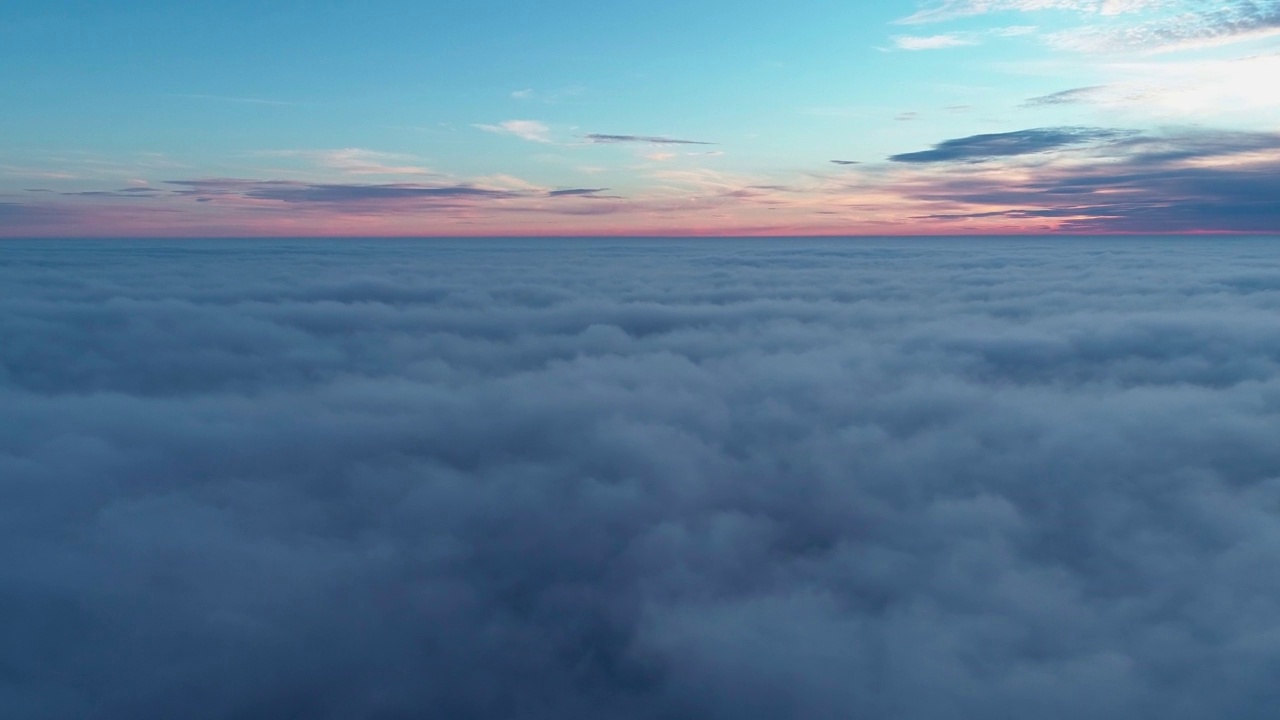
<point>391,480</point>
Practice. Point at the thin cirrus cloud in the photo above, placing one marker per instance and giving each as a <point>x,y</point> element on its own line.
<point>531,130</point>
<point>1197,27</point>
<point>531,94</point>
<point>358,161</point>
<point>1073,96</point>
<point>957,9</point>
<point>606,139</point>
<point>1195,89</point>
<point>577,192</point>
<point>976,148</point>
<point>412,195</point>
<point>932,42</point>
<point>1119,25</point>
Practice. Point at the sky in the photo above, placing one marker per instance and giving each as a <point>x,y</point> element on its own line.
<point>705,117</point>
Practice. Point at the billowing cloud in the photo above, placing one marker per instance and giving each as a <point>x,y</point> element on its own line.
<point>1020,142</point>
<point>925,480</point>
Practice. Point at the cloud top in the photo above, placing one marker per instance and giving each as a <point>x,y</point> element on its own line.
<point>361,479</point>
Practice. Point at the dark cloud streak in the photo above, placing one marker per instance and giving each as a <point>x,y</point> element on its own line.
<point>978,148</point>
<point>599,138</point>
<point>1179,182</point>
<point>1065,97</point>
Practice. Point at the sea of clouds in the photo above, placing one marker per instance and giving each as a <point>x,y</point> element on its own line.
<point>738,480</point>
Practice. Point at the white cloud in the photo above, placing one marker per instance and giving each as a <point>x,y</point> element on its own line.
<point>1113,25</point>
<point>531,130</point>
<point>956,9</point>
<point>358,161</point>
<point>1222,25</point>
<point>931,42</point>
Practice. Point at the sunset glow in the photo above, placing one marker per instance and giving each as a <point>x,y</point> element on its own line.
<point>493,118</point>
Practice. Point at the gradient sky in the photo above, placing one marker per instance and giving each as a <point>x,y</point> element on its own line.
<point>568,117</point>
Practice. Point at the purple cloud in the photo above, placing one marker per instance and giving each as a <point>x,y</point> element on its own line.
<point>1149,185</point>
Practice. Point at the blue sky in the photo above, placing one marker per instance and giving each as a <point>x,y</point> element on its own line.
<point>473,118</point>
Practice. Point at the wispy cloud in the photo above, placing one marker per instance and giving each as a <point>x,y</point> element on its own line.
<point>956,9</point>
<point>1184,181</point>
<point>1118,25</point>
<point>129,192</point>
<point>37,173</point>
<point>1222,24</point>
<point>380,196</point>
<point>1015,31</point>
<point>531,130</point>
<point>358,161</point>
<point>960,39</point>
<point>293,192</point>
<point>932,42</point>
<point>576,191</point>
<point>339,193</point>
<point>552,96</point>
<point>977,148</point>
<point>603,139</point>
<point>1195,89</point>
<point>1066,97</point>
